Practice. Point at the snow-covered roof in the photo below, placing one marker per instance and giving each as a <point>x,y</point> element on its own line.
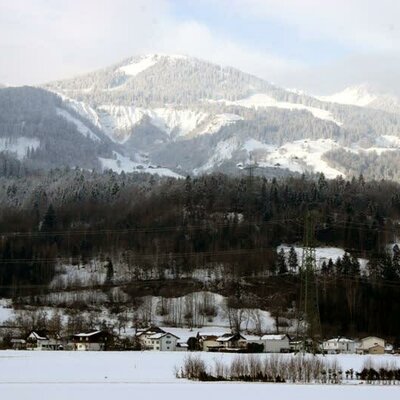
<point>230,336</point>
<point>36,336</point>
<point>149,331</point>
<point>340,340</point>
<point>212,334</point>
<point>87,334</point>
<point>225,338</point>
<point>273,337</point>
<point>161,334</point>
<point>156,336</point>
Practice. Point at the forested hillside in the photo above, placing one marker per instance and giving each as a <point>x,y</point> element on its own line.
<point>151,236</point>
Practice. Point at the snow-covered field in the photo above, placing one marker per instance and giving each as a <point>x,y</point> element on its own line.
<point>103,375</point>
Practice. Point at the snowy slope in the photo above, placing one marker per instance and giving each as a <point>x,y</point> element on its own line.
<point>365,96</point>
<point>82,128</point>
<point>354,95</point>
<point>297,156</point>
<point>119,121</point>
<point>121,163</point>
<point>303,156</point>
<point>223,151</point>
<point>19,145</point>
<point>262,100</point>
<point>82,109</point>
<point>136,66</point>
<point>217,122</point>
<point>152,103</point>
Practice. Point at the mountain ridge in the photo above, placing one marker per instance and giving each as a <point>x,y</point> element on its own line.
<point>190,116</point>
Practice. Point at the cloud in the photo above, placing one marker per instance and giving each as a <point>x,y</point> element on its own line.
<point>46,40</point>
<point>361,24</point>
<point>198,40</point>
<point>51,40</point>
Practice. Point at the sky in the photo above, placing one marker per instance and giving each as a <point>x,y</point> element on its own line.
<point>319,46</point>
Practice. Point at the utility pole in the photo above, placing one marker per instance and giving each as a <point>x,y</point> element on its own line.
<point>249,168</point>
<point>309,291</point>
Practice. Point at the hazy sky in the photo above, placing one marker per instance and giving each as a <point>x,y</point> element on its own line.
<point>317,45</point>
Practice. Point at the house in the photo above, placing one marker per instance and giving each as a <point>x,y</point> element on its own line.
<point>91,341</point>
<point>276,343</point>
<point>339,345</point>
<point>43,340</point>
<point>207,341</point>
<point>231,341</point>
<point>371,345</point>
<point>296,345</point>
<point>182,346</point>
<point>155,338</point>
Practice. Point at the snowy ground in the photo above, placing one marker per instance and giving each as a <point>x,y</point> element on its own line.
<point>103,375</point>
<point>322,254</point>
<point>6,310</point>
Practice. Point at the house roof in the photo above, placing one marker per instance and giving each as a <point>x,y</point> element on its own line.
<point>227,337</point>
<point>210,335</point>
<point>372,337</point>
<point>160,335</point>
<point>149,331</point>
<point>340,340</point>
<point>274,337</point>
<point>38,335</point>
<point>87,334</point>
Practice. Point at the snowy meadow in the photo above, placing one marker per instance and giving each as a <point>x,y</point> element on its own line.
<point>86,375</point>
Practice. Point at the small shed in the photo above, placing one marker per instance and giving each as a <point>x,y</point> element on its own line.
<point>276,343</point>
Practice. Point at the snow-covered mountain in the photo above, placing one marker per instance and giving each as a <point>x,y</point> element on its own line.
<point>365,95</point>
<point>183,115</point>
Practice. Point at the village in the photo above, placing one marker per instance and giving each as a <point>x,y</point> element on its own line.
<point>163,340</point>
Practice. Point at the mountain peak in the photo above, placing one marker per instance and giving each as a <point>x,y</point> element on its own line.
<point>358,95</point>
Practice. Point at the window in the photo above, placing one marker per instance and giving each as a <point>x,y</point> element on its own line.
<point>168,342</point>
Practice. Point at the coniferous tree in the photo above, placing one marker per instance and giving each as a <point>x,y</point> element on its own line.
<point>293,260</point>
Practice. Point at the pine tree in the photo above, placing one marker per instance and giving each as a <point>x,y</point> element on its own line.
<point>281,263</point>
<point>49,220</point>
<point>293,260</point>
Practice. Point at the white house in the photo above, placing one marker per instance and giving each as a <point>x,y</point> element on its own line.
<point>157,339</point>
<point>371,345</point>
<point>339,345</point>
<point>43,340</point>
<point>276,343</point>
